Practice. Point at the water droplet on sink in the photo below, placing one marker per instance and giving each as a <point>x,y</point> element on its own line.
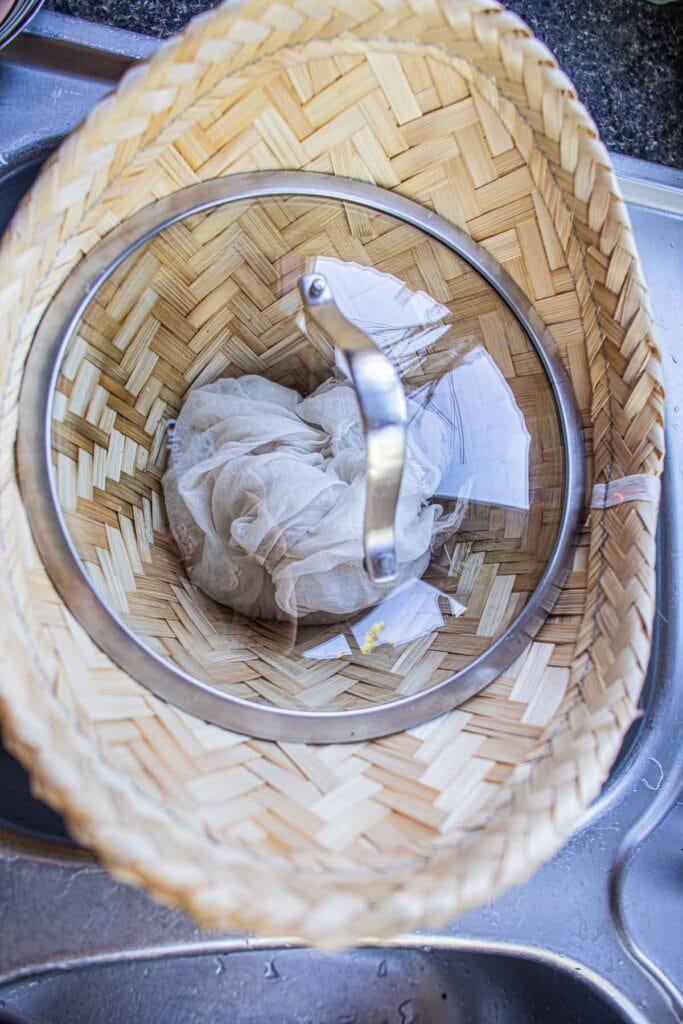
<point>220,966</point>
<point>406,1012</point>
<point>382,970</point>
<point>270,970</point>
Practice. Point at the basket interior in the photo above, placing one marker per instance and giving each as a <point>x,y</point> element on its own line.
<point>216,295</point>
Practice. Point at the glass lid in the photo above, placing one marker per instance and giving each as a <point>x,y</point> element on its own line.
<point>314,467</point>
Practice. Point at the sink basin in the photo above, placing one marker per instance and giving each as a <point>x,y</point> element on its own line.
<point>20,811</point>
<point>16,184</point>
<point>298,986</point>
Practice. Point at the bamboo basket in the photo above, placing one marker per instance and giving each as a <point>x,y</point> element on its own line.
<point>458,107</point>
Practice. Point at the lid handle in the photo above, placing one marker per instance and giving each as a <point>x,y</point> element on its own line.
<point>383,410</point>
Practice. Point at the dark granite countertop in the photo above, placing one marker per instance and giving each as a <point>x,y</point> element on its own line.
<point>625,57</point>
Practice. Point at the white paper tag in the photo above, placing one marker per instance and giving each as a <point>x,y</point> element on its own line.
<point>639,487</point>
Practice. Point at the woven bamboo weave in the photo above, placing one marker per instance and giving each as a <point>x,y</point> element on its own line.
<point>458,107</point>
<point>190,306</point>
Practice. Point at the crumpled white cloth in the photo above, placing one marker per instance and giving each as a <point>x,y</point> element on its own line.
<point>265,495</point>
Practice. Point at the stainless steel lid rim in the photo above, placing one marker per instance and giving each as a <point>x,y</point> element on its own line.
<point>64,564</point>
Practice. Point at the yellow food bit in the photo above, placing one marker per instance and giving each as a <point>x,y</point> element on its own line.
<point>372,638</point>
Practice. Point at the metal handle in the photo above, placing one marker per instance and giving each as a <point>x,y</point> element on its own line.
<point>383,410</point>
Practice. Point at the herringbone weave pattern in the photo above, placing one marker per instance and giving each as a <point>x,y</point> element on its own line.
<point>457,106</point>
<point>217,295</point>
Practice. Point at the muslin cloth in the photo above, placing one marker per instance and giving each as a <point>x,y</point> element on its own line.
<point>265,495</point>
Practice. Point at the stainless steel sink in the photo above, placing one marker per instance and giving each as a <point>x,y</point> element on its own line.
<point>595,936</point>
<point>434,985</point>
